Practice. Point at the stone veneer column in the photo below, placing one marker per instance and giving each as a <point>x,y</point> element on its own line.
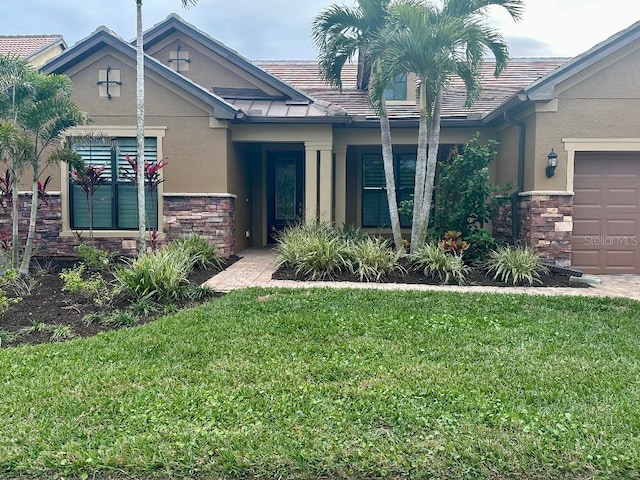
<point>546,224</point>
<point>210,215</point>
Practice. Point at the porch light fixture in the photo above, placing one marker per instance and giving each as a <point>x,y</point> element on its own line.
<point>552,163</point>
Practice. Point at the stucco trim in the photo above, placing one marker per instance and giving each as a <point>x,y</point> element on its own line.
<point>115,131</point>
<point>209,195</point>
<point>533,193</point>
<point>573,145</point>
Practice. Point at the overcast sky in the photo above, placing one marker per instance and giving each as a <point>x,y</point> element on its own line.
<point>279,29</point>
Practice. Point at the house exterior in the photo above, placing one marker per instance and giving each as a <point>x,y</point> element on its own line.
<point>36,49</point>
<point>252,147</point>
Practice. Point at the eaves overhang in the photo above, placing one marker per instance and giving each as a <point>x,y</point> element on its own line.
<point>104,37</point>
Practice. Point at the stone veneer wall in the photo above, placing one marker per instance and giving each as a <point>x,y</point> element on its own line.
<point>212,217</point>
<point>546,224</point>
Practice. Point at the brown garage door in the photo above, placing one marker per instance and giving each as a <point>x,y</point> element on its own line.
<point>606,214</point>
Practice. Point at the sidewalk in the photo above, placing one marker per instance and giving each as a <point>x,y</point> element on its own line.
<point>256,265</point>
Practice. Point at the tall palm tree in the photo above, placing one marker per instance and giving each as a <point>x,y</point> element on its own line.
<point>340,33</point>
<point>142,219</point>
<point>437,44</point>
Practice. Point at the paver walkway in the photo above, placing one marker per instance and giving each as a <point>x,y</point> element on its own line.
<point>256,265</point>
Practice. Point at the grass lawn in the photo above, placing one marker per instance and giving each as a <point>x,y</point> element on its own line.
<point>324,383</point>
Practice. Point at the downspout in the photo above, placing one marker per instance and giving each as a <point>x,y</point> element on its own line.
<point>515,218</point>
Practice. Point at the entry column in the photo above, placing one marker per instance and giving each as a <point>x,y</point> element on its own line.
<point>318,182</point>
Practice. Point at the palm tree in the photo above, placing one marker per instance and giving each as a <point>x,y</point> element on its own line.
<point>340,33</point>
<point>35,110</point>
<point>142,225</point>
<point>43,119</point>
<point>437,44</point>
<point>14,146</point>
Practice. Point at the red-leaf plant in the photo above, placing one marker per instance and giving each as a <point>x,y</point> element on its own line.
<point>42,190</point>
<point>89,178</point>
<point>6,189</point>
<point>151,172</point>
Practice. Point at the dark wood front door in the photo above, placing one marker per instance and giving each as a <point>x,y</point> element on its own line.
<point>284,190</point>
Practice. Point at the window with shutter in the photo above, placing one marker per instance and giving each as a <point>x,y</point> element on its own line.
<point>115,203</point>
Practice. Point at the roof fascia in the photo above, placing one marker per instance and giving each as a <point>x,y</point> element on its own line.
<point>58,42</point>
<point>175,23</point>
<point>104,37</point>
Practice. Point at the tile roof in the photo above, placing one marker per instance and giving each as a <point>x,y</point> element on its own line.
<point>520,73</point>
<point>26,45</point>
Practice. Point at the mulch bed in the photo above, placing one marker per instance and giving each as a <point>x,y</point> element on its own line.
<point>49,305</point>
<point>474,278</point>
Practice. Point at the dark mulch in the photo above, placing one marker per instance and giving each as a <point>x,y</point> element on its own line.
<point>48,306</point>
<point>474,278</point>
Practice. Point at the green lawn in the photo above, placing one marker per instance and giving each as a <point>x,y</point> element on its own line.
<point>324,383</point>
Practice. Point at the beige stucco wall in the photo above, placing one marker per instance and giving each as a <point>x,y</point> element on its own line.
<point>197,154</point>
<point>601,102</point>
<point>45,55</point>
<point>206,68</point>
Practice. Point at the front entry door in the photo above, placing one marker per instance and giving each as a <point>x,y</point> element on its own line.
<point>284,191</point>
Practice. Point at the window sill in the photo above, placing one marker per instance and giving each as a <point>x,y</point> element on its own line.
<point>104,234</point>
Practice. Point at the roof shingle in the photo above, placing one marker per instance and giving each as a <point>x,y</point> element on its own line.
<point>305,75</point>
<point>26,45</point>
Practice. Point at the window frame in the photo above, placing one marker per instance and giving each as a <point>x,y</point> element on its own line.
<point>108,131</point>
<point>398,89</point>
<point>402,192</point>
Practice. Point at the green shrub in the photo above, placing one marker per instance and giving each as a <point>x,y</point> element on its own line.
<point>159,276</point>
<point>435,262</point>
<point>481,244</point>
<point>119,318</point>
<point>6,302</point>
<point>517,265</point>
<point>203,253</point>
<point>94,288</point>
<point>374,259</point>
<point>94,258</point>
<point>351,233</point>
<point>20,285</point>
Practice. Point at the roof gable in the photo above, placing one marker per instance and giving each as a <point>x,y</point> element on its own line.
<point>174,23</point>
<point>103,37</point>
<point>544,88</point>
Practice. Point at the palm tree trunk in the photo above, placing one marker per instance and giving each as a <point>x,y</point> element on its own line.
<point>15,212</point>
<point>28,248</point>
<point>387,160</point>
<point>432,160</point>
<point>417,233</point>
<point>142,227</point>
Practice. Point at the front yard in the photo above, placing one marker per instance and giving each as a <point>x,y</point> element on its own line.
<point>326,384</point>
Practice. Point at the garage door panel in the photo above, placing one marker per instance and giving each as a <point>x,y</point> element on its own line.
<point>624,228</point>
<point>588,197</point>
<point>606,216</point>
<point>586,227</point>
<point>622,198</point>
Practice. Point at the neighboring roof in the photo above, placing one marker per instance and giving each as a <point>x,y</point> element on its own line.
<point>27,46</point>
<point>103,37</point>
<point>174,23</point>
<point>519,73</point>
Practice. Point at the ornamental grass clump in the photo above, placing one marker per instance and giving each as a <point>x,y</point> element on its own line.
<point>314,250</point>
<point>436,263</point>
<point>203,253</point>
<point>516,265</point>
<point>159,276</point>
<point>374,259</point>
